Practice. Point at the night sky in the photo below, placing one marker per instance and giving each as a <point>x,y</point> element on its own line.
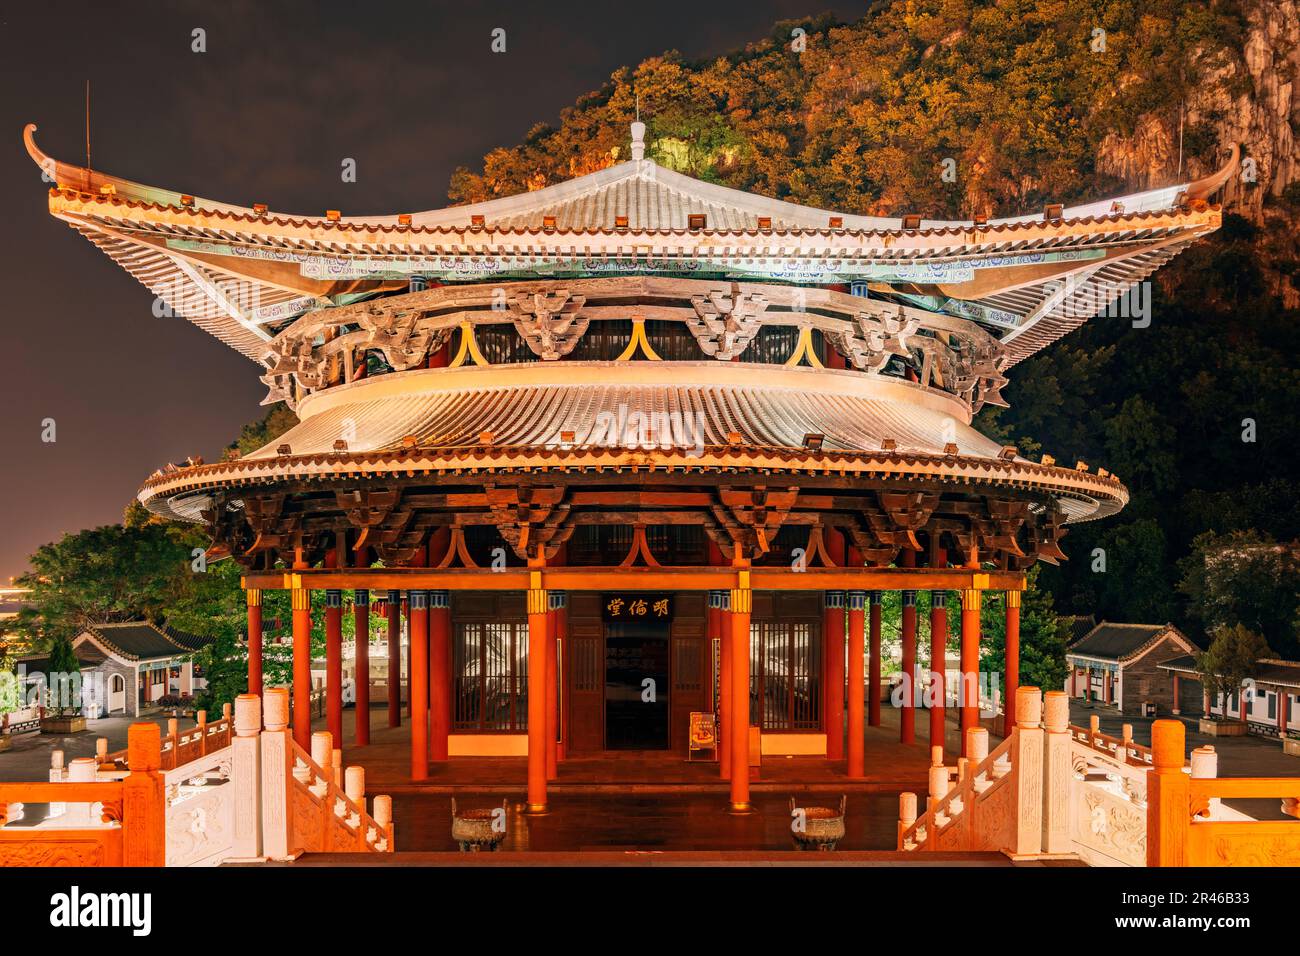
<point>284,93</point>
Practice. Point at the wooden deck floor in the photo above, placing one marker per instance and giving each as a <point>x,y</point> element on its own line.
<point>639,802</point>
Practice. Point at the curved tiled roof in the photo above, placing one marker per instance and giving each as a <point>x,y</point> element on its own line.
<point>142,641</point>
<point>634,416</point>
<point>1111,641</point>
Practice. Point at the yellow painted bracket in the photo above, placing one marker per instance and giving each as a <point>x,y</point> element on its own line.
<point>804,350</point>
<point>468,348</point>
<point>639,341</point>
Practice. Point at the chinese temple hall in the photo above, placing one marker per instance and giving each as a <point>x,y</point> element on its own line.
<point>635,449</point>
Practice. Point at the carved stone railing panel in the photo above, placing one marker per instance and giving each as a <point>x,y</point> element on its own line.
<point>200,826</point>
<point>1107,828</point>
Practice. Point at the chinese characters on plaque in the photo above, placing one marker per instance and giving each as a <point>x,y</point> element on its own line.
<point>637,606</point>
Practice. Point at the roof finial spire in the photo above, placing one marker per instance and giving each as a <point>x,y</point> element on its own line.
<point>638,134</point>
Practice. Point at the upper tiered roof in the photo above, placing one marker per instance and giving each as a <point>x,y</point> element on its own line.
<point>243,272</point>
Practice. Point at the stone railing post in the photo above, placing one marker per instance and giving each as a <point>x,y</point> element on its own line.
<point>938,778</point>
<point>246,778</point>
<point>1205,766</point>
<point>1168,796</point>
<point>1094,728</point>
<point>383,815</point>
<point>906,815</point>
<point>101,751</point>
<point>1057,774</point>
<point>277,775</point>
<point>322,749</point>
<point>56,776</point>
<point>1027,768</point>
<point>79,815</point>
<point>144,800</point>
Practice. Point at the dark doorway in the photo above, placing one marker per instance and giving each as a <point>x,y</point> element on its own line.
<point>636,652</point>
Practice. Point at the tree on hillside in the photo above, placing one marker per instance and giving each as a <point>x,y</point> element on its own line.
<point>1230,660</point>
<point>1245,578</point>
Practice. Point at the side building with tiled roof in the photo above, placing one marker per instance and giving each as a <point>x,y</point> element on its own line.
<point>127,668</point>
<point>1118,665</point>
<point>1271,700</point>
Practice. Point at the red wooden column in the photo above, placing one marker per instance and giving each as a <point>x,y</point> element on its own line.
<point>970,661</point>
<point>720,607</point>
<point>907,716</point>
<point>393,615</point>
<point>873,670</point>
<point>254,597</point>
<point>1177,708</point>
<point>301,600</point>
<point>439,674</point>
<point>538,637</point>
<point>418,623</point>
<point>856,601</point>
<point>742,606</point>
<point>833,659</point>
<point>361,618</point>
<point>1013,661</point>
<point>557,602</point>
<point>334,665</point>
<point>938,689</point>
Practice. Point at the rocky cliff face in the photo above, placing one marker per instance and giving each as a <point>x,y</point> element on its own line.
<point>1251,98</point>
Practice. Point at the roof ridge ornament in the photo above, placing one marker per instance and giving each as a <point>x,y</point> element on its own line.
<point>638,141</point>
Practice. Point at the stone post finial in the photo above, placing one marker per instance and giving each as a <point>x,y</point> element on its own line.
<point>322,748</point>
<point>275,708</point>
<point>1029,706</point>
<point>906,809</point>
<point>225,711</point>
<point>938,783</point>
<point>1094,724</point>
<point>355,785</point>
<point>248,715</point>
<point>1168,743</point>
<point>101,749</point>
<point>383,810</point>
<point>977,746</point>
<point>1056,711</point>
<point>1126,732</point>
<point>56,759</point>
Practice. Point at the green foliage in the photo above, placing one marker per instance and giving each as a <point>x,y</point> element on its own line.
<point>1043,636</point>
<point>62,665</point>
<point>278,419</point>
<point>1244,578</point>
<point>104,575</point>
<point>1231,659</point>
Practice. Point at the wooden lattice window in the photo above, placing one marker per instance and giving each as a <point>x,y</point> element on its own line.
<point>490,661</point>
<point>785,676</point>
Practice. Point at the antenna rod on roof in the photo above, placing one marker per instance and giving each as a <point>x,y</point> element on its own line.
<point>87,135</point>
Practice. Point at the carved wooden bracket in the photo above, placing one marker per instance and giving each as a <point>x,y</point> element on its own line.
<point>549,322</point>
<point>726,322</point>
<point>533,519</point>
<point>752,516</point>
